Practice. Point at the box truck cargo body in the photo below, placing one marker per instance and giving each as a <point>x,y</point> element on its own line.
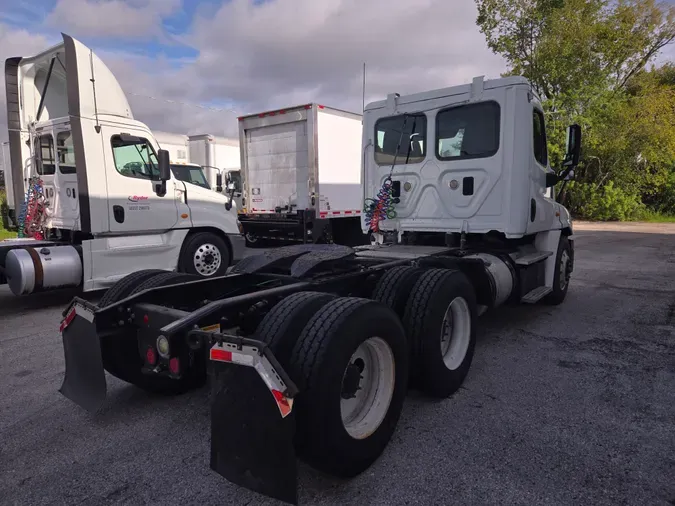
<point>213,152</point>
<point>301,175</point>
<point>175,144</point>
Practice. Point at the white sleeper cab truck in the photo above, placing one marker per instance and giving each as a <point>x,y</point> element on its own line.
<point>219,157</point>
<point>92,192</point>
<point>312,347</point>
<point>302,176</point>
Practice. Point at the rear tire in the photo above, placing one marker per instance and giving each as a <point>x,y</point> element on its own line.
<point>394,287</point>
<point>122,289</point>
<point>281,327</point>
<point>122,357</point>
<point>439,322</point>
<point>330,435</point>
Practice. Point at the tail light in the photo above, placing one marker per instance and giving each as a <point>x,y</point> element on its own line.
<point>151,356</point>
<point>174,365</point>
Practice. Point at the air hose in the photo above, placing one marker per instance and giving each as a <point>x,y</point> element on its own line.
<point>381,207</point>
<point>31,218</point>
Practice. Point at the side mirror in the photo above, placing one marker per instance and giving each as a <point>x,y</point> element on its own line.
<point>219,182</point>
<point>164,165</point>
<point>573,146</point>
<point>230,186</point>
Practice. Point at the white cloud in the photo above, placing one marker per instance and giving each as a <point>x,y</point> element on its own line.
<point>16,43</point>
<point>284,52</point>
<point>131,19</point>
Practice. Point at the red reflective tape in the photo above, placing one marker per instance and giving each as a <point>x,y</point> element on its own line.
<point>320,107</point>
<point>282,111</point>
<point>323,214</point>
<point>282,402</point>
<point>221,355</point>
<point>357,212</point>
<point>308,106</point>
<point>336,212</point>
<point>348,212</point>
<point>67,320</point>
<point>261,115</point>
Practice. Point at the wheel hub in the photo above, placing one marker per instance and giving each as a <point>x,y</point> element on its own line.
<point>367,387</point>
<point>207,260</point>
<point>352,379</point>
<point>455,333</point>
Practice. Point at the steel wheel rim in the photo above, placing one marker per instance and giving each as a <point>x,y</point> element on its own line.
<point>564,274</point>
<point>456,333</point>
<point>251,238</point>
<point>207,260</point>
<point>365,412</point>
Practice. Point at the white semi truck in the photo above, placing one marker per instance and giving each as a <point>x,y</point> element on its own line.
<point>313,347</point>
<point>218,156</point>
<point>302,176</point>
<point>101,198</point>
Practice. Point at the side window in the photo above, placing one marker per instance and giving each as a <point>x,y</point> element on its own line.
<point>66,152</point>
<point>410,130</point>
<point>47,166</point>
<point>539,139</point>
<point>468,131</point>
<point>134,157</point>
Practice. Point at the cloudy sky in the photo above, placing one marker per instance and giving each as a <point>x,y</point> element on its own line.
<point>249,55</point>
<point>239,56</point>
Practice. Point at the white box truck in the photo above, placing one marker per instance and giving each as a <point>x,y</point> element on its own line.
<point>302,176</point>
<point>91,187</point>
<point>175,144</point>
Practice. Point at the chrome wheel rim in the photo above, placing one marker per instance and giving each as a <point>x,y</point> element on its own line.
<point>456,333</point>
<point>367,387</point>
<point>207,260</point>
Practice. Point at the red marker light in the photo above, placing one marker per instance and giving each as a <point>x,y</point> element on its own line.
<point>146,319</point>
<point>151,356</point>
<point>174,365</point>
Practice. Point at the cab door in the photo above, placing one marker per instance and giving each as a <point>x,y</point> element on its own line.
<point>135,203</point>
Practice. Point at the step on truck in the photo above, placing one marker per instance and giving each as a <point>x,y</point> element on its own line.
<point>309,349</point>
<point>302,176</point>
<point>91,192</point>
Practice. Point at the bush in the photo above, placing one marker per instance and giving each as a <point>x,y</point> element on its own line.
<point>606,203</point>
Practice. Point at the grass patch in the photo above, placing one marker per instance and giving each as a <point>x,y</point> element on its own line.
<point>654,217</point>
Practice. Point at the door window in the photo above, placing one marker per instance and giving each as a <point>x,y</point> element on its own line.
<point>134,157</point>
<point>539,132</point>
<point>66,152</point>
<point>46,167</point>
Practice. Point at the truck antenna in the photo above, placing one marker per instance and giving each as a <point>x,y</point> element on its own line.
<point>363,100</point>
<point>93,86</point>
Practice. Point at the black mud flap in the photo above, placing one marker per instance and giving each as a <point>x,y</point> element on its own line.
<point>252,429</point>
<point>84,383</point>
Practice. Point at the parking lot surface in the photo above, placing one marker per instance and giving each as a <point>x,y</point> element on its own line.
<point>572,404</point>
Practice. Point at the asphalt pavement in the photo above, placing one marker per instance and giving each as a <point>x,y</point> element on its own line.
<point>572,404</point>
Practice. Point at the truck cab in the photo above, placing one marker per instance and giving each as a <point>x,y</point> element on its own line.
<point>467,159</point>
<point>85,172</point>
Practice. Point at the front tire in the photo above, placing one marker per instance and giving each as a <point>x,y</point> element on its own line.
<point>350,345</point>
<point>206,255</point>
<point>562,274</point>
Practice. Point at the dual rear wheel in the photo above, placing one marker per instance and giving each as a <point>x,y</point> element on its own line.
<point>353,358</point>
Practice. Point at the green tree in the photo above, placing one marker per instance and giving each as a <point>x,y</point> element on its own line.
<point>587,60</point>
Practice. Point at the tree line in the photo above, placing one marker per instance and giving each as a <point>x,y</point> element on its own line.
<point>592,62</point>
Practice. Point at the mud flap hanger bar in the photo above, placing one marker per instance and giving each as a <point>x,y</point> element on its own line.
<point>248,352</point>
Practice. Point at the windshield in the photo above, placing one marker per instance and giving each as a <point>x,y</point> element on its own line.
<point>190,174</point>
<point>235,177</point>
